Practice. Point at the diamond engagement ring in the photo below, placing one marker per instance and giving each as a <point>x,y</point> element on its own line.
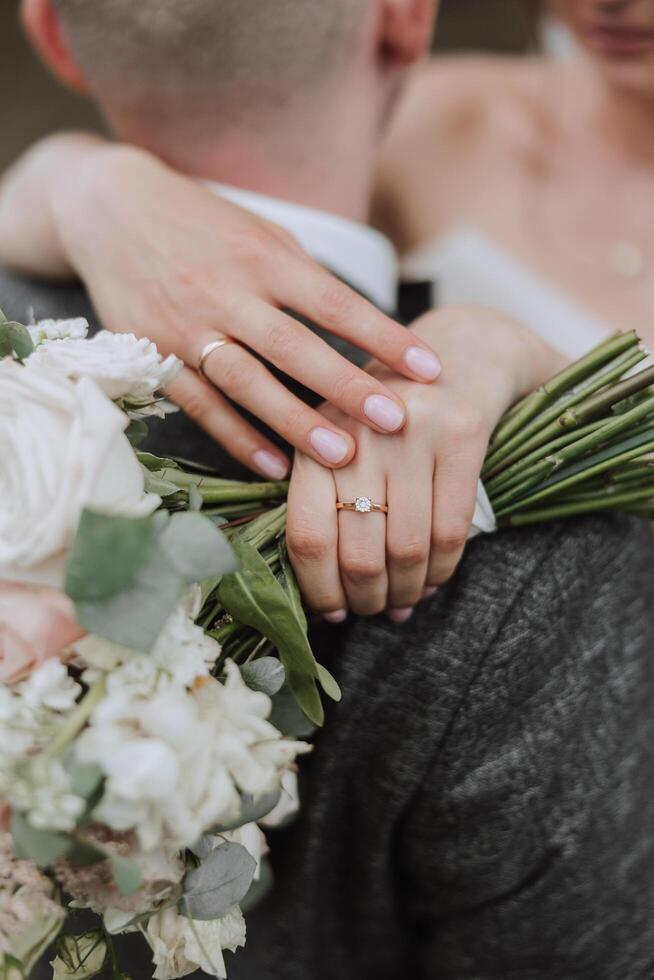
<point>362,505</point>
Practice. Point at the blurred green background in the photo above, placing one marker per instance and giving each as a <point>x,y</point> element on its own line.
<point>31,104</point>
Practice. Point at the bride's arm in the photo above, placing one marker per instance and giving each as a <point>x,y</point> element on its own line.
<point>164,257</point>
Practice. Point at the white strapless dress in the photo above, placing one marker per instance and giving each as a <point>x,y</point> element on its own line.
<point>469,267</point>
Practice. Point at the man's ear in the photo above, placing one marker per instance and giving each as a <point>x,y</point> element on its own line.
<point>406,28</point>
<point>43,27</point>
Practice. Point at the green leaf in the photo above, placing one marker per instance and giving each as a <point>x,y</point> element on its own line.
<point>106,555</point>
<point>253,596</point>
<point>196,549</point>
<point>219,883</point>
<point>84,854</point>
<point>79,957</point>
<point>287,717</point>
<point>195,501</point>
<point>155,463</point>
<point>154,483</point>
<point>44,847</point>
<point>136,431</point>
<point>17,337</point>
<point>266,675</point>
<point>260,888</point>
<point>126,874</point>
<point>252,810</point>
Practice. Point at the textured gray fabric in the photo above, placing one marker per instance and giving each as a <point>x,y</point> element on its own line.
<point>480,806</point>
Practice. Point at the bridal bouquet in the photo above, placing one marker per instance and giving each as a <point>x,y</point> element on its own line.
<point>139,758</point>
<point>156,676</point>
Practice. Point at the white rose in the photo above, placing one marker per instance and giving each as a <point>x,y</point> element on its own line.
<point>62,449</point>
<point>180,946</point>
<point>123,365</point>
<point>75,329</point>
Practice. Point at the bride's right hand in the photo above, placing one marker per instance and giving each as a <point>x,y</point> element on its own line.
<point>163,257</point>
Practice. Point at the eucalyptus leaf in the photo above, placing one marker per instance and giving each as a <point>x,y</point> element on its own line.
<point>18,337</point>
<point>252,810</point>
<point>260,887</point>
<point>196,548</point>
<point>44,847</point>
<point>194,498</point>
<point>219,883</point>
<point>287,717</point>
<point>266,675</point>
<point>125,544</point>
<point>126,874</point>
<point>253,596</point>
<point>85,854</point>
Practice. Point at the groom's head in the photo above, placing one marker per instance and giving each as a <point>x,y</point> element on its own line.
<point>253,64</point>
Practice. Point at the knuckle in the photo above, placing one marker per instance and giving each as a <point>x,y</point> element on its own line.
<point>465,422</point>
<point>335,305</point>
<point>450,538</point>
<point>280,339</point>
<point>305,541</point>
<point>408,553</point>
<point>361,569</point>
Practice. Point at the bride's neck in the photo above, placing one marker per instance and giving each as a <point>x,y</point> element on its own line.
<point>624,119</point>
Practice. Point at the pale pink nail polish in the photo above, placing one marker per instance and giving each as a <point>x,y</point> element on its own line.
<point>338,616</point>
<point>332,447</point>
<point>429,592</point>
<point>400,615</point>
<point>422,363</point>
<point>271,465</point>
<point>383,412</point>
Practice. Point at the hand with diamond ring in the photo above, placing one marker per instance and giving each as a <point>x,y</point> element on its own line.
<point>389,528</point>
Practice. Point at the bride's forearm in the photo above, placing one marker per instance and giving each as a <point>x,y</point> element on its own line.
<point>30,232</point>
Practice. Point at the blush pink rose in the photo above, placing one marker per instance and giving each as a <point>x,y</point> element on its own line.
<point>35,624</point>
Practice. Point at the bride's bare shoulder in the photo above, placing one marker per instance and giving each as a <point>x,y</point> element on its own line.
<point>466,98</point>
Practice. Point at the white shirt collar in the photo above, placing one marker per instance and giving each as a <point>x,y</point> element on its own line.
<point>358,254</point>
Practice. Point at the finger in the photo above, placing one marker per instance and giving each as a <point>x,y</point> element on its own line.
<point>362,540</point>
<point>455,494</point>
<point>247,382</point>
<point>301,354</point>
<point>209,409</point>
<point>408,536</point>
<point>318,296</point>
<point>312,537</point>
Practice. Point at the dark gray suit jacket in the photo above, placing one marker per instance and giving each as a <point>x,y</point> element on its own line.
<point>480,806</point>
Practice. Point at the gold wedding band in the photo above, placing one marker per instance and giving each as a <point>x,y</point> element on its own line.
<point>209,348</point>
<point>362,505</point>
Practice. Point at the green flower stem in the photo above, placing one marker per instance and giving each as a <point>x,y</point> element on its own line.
<point>588,366</point>
<point>235,510</point>
<point>518,470</point>
<point>632,471</point>
<point>78,719</point>
<point>561,484</point>
<point>265,528</point>
<point>215,490</point>
<point>621,502</point>
<point>548,424</point>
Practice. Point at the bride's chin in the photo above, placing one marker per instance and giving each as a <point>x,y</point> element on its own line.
<point>629,76</point>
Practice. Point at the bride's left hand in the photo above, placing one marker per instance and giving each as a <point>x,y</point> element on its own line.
<point>427,474</point>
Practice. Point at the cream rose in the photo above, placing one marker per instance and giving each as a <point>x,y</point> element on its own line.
<point>123,365</point>
<point>62,449</point>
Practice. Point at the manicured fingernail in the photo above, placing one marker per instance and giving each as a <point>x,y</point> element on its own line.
<point>383,412</point>
<point>400,615</point>
<point>338,616</point>
<point>422,363</point>
<point>271,465</point>
<point>429,592</point>
<point>332,447</point>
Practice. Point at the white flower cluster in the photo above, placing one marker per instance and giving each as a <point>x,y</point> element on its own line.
<point>177,758</point>
<point>31,713</point>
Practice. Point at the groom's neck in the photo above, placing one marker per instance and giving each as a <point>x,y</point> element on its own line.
<point>325,162</point>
